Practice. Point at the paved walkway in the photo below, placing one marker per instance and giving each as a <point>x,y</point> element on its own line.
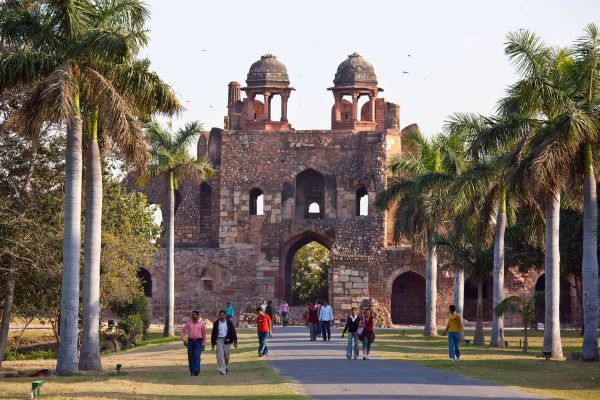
<point>323,371</point>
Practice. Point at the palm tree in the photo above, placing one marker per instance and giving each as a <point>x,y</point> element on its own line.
<point>170,159</point>
<point>470,252</point>
<point>587,71</point>
<point>417,193</point>
<point>141,99</point>
<point>64,50</point>
<point>484,182</point>
<point>524,306</point>
<point>543,159</point>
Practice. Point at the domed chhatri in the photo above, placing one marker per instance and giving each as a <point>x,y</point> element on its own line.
<point>355,71</point>
<point>268,71</point>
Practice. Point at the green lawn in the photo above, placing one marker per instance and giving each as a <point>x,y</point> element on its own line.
<point>159,371</point>
<point>510,366</point>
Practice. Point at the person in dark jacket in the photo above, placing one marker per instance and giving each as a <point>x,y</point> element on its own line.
<point>270,311</point>
<point>352,324</point>
<point>223,335</point>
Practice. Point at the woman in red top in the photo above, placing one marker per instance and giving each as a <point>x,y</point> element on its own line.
<point>367,335</point>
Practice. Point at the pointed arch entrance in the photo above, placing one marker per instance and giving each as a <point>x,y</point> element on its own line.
<point>408,299</point>
<point>289,249</point>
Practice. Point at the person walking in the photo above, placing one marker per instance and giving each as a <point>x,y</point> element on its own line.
<point>263,328</point>
<point>270,311</point>
<point>318,305</point>
<point>366,334</point>
<point>454,329</point>
<point>222,336</point>
<point>195,331</point>
<point>352,325</point>
<point>312,321</point>
<point>325,318</point>
<point>284,310</point>
<point>229,311</point>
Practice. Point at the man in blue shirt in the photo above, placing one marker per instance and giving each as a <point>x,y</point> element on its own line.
<point>325,318</point>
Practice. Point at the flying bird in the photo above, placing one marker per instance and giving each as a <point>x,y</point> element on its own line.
<point>405,72</point>
<point>409,55</point>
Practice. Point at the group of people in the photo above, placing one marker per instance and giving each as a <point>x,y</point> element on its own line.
<point>319,317</point>
<point>360,329</point>
<point>223,335</point>
<point>284,311</point>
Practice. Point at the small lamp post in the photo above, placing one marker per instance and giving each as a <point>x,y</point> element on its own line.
<point>35,388</point>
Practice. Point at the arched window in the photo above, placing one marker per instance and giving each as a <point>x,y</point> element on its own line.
<point>257,202</point>
<point>310,194</point>
<point>362,201</point>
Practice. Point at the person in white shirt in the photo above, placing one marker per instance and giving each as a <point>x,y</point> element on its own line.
<point>223,335</point>
<point>325,318</point>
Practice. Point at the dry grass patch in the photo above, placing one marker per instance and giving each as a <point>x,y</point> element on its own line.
<point>159,371</point>
<point>509,366</point>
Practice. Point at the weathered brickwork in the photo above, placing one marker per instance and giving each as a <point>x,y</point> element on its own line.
<point>230,249</point>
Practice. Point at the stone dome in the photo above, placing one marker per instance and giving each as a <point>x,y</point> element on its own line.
<point>355,71</point>
<point>268,71</point>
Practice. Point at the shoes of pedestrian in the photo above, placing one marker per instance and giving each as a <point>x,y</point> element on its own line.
<point>355,357</point>
<point>348,357</point>
<point>222,373</point>
<point>364,357</point>
<point>451,360</point>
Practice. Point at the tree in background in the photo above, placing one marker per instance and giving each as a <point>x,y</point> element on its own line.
<point>171,160</point>
<point>417,194</point>
<point>525,307</point>
<point>310,274</point>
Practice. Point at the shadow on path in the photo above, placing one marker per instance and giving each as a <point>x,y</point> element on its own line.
<point>322,370</point>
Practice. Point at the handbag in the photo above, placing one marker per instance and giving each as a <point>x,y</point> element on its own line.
<point>360,330</point>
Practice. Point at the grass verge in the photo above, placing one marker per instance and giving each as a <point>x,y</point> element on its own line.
<point>508,366</point>
<point>159,371</point>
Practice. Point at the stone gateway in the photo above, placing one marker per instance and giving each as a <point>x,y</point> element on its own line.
<point>277,189</point>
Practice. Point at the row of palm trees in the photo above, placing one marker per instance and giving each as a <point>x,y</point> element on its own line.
<point>459,190</point>
<point>77,62</point>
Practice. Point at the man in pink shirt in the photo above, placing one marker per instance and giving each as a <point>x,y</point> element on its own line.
<point>196,336</point>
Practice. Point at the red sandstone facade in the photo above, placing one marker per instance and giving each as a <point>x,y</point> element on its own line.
<point>309,183</point>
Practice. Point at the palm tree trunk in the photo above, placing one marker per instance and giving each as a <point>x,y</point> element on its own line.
<point>69,299</point>
<point>479,339</point>
<point>589,273</point>
<point>89,358</point>
<point>430,288</point>
<point>497,339</point>
<point>458,292</point>
<point>552,341</point>
<point>169,329</point>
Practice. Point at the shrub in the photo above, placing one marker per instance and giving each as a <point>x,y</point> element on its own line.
<point>139,307</point>
<point>133,330</point>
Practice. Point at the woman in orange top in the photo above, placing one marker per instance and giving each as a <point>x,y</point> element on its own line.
<point>263,327</point>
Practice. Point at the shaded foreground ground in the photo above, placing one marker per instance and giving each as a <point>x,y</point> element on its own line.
<point>324,372</point>
<point>160,372</point>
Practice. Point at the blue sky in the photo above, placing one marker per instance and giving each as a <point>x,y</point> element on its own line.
<point>456,62</point>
